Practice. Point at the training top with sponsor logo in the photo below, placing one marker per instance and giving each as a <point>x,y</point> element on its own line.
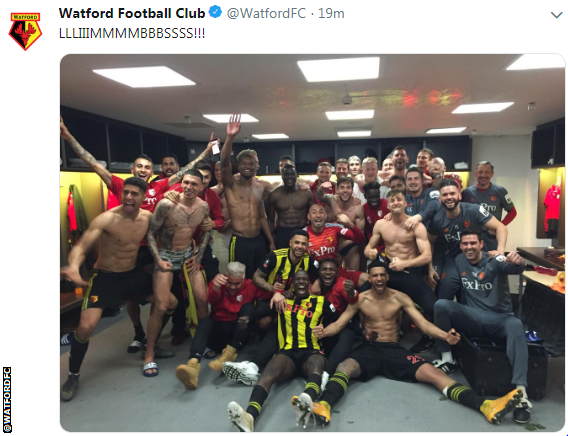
<point>494,199</point>
<point>324,244</point>
<point>471,216</point>
<point>295,324</point>
<point>426,204</point>
<point>280,269</point>
<point>485,285</point>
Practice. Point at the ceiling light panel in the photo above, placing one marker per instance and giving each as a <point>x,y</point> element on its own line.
<point>331,70</point>
<point>446,130</point>
<point>224,118</point>
<point>145,77</point>
<point>481,108</point>
<point>537,61</point>
<point>271,136</point>
<point>350,115</point>
<point>354,134</point>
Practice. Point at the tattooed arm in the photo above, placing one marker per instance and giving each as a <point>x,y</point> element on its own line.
<point>157,225</point>
<point>85,156</point>
<point>176,178</point>
<point>204,237</point>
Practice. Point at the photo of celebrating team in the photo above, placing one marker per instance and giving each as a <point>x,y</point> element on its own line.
<point>352,284</point>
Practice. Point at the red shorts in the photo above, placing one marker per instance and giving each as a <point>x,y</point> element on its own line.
<point>350,274</point>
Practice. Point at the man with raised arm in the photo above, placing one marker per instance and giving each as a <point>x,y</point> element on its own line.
<point>290,204</point>
<point>115,277</point>
<point>381,310</point>
<point>408,253</point>
<point>170,240</point>
<point>244,200</point>
<point>142,168</point>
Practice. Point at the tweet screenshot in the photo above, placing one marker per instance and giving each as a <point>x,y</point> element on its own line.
<point>284,216</point>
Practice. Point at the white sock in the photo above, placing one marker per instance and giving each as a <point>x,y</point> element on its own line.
<point>447,357</point>
<point>253,366</point>
<point>445,391</point>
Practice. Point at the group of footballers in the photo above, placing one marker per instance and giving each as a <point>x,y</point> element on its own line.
<point>289,261</point>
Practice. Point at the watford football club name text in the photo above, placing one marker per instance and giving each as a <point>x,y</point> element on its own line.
<point>127,13</point>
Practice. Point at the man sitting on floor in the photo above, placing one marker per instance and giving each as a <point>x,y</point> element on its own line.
<point>231,297</point>
<point>299,351</point>
<point>485,310</point>
<point>381,311</point>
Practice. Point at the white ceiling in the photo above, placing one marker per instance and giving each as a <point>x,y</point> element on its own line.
<point>412,94</point>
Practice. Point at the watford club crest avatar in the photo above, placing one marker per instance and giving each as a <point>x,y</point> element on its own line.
<point>25,29</point>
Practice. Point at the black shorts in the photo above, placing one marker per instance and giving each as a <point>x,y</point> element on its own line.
<point>107,288</point>
<point>388,359</point>
<point>144,256</point>
<point>300,356</point>
<point>248,251</point>
<point>348,248</point>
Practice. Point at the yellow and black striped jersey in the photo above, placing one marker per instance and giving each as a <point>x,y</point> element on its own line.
<point>299,318</point>
<point>279,268</point>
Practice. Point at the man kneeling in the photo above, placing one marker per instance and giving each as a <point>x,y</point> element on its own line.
<point>381,309</point>
<point>231,297</point>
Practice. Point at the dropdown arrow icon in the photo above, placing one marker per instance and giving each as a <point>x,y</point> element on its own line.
<point>556,16</point>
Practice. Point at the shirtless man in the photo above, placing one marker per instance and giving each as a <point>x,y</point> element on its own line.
<point>291,204</point>
<point>344,203</point>
<point>116,277</point>
<point>244,200</point>
<point>408,252</point>
<point>170,240</point>
<point>381,309</point>
<point>222,236</point>
<point>400,160</point>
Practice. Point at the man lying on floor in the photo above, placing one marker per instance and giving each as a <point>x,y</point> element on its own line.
<point>381,309</point>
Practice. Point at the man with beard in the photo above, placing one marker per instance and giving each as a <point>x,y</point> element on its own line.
<point>397,183</point>
<point>400,160</point>
<point>142,168</point>
<point>324,239</point>
<point>408,253</point>
<point>116,276</point>
<point>276,275</point>
<point>244,200</point>
<point>448,223</point>
<point>492,197</point>
<point>343,203</point>
<point>170,166</point>
<point>341,168</point>
<point>381,310</point>
<point>486,310</point>
<point>299,352</point>
<point>291,204</point>
<point>437,168</point>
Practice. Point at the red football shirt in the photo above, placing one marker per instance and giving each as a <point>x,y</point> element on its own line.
<point>324,244</point>
<point>338,297</point>
<point>373,215</point>
<point>154,191</point>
